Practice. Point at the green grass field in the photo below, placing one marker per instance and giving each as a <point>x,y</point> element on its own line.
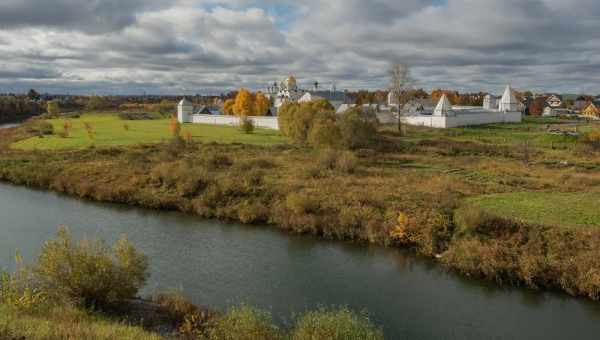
<point>109,130</point>
<point>531,129</point>
<point>580,209</point>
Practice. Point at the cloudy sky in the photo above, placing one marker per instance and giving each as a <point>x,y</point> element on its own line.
<point>209,46</point>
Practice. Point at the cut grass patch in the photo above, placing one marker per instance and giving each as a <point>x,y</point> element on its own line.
<point>109,130</point>
<point>547,208</point>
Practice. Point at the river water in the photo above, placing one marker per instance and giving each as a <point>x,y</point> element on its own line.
<point>10,125</point>
<point>220,265</point>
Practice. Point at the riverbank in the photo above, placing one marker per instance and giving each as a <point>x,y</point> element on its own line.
<point>86,290</point>
<point>408,193</point>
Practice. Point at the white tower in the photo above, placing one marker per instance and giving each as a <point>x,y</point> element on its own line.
<point>509,103</point>
<point>443,108</point>
<point>185,108</point>
<point>490,103</point>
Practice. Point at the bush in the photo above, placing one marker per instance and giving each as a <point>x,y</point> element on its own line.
<point>247,125</point>
<point>42,128</point>
<point>296,120</point>
<point>89,273</point>
<point>245,323</point>
<point>358,129</point>
<point>138,116</point>
<point>18,291</point>
<point>592,139</point>
<point>345,162</point>
<point>324,132</point>
<point>333,324</point>
<point>301,203</point>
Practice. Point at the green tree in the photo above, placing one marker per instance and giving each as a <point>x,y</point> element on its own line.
<point>358,128</point>
<point>33,94</point>
<point>96,103</point>
<point>53,108</point>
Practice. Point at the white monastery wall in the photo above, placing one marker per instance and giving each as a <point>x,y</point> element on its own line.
<point>259,122</point>
<point>465,119</point>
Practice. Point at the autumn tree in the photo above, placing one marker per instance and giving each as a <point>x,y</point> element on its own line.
<point>244,104</point>
<point>52,108</point>
<point>175,127</point>
<point>261,104</point>
<point>228,107</point>
<point>399,81</point>
<point>453,96</point>
<point>536,106</point>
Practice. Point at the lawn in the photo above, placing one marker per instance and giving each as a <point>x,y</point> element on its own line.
<point>579,209</point>
<point>110,130</point>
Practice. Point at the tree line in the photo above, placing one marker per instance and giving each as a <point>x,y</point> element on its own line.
<point>14,108</point>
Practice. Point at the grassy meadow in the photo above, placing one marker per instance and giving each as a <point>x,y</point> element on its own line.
<point>573,209</point>
<point>109,130</point>
<point>512,203</point>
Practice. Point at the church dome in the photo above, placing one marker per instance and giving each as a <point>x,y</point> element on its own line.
<point>291,82</point>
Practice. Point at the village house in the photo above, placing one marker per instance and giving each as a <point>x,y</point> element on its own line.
<point>592,110</point>
<point>554,101</point>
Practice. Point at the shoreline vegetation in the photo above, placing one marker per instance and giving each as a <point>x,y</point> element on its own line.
<point>418,191</point>
<point>88,290</point>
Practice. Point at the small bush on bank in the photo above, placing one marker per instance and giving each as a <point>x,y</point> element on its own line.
<point>592,139</point>
<point>89,273</point>
<point>333,160</point>
<point>245,323</point>
<point>42,128</point>
<point>347,163</point>
<point>247,125</point>
<point>334,324</point>
<point>301,203</point>
<point>139,116</point>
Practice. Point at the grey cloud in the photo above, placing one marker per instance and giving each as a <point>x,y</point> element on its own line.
<point>181,46</point>
<point>92,16</point>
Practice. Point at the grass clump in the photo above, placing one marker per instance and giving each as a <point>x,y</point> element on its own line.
<point>65,322</point>
<point>335,324</point>
<point>245,323</point>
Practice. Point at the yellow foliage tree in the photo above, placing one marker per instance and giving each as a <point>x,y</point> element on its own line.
<point>53,108</point>
<point>262,104</point>
<point>228,107</point>
<point>244,104</point>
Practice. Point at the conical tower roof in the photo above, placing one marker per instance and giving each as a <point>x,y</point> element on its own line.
<point>443,106</point>
<point>185,102</point>
<point>509,96</point>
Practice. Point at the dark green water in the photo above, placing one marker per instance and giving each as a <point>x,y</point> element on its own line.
<point>219,265</point>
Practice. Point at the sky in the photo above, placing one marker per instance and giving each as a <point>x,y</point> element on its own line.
<point>184,47</point>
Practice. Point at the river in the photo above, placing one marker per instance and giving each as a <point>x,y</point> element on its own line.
<point>9,125</point>
<point>219,265</point>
